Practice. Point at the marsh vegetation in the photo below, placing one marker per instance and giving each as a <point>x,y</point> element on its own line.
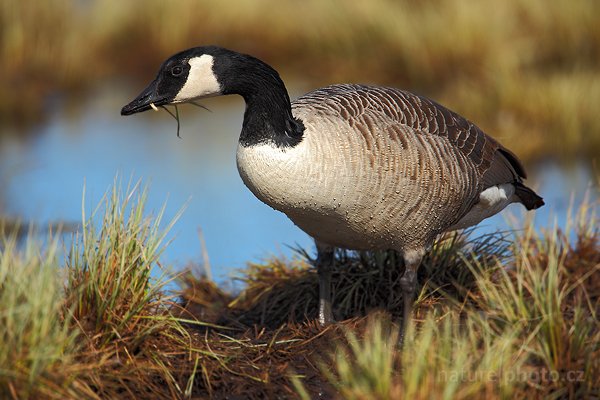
<point>511,314</point>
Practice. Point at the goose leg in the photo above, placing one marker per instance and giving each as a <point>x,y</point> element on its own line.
<point>324,264</point>
<point>408,282</point>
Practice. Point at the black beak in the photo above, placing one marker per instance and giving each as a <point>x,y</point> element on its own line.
<point>143,101</point>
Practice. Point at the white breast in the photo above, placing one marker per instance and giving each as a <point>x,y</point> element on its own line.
<point>275,175</point>
<point>313,185</point>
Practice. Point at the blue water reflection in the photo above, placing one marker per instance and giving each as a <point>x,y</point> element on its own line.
<point>43,177</point>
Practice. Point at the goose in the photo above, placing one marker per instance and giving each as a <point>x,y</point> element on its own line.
<point>354,166</point>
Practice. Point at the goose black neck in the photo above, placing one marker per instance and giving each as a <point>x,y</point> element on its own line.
<point>268,117</point>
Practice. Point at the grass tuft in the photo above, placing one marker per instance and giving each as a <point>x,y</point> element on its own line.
<point>365,368</point>
<point>35,325</point>
<point>276,291</point>
<point>110,270</point>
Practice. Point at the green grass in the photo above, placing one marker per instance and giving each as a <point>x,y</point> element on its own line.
<point>517,68</point>
<point>110,270</point>
<point>35,329</point>
<point>77,330</point>
<point>506,315</point>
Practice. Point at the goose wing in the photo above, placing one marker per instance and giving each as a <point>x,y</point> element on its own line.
<point>364,105</point>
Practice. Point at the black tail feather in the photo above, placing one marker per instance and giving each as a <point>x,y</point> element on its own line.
<point>528,197</point>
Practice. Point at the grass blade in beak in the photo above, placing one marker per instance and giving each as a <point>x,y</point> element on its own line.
<point>153,107</point>
<point>176,116</point>
<point>200,105</point>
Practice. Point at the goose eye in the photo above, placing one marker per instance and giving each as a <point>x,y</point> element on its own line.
<point>176,70</point>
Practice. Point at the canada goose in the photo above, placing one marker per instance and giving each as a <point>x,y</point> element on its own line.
<point>354,166</point>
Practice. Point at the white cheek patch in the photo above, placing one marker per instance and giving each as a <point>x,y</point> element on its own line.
<point>201,80</point>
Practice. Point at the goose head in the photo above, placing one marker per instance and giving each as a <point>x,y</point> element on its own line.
<point>187,76</point>
<point>208,71</point>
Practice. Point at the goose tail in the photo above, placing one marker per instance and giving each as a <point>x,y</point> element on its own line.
<point>528,197</point>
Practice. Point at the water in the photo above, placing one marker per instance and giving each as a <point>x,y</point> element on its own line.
<point>43,174</point>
